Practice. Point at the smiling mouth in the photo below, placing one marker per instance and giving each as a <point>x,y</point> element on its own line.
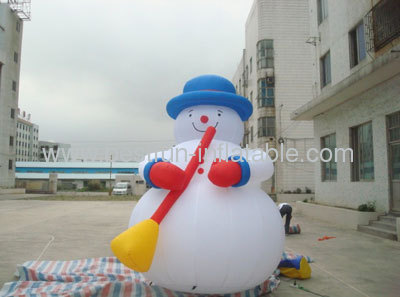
<point>202,130</point>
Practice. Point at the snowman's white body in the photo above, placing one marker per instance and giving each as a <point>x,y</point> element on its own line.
<point>214,240</point>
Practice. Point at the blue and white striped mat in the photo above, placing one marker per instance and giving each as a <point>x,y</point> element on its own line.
<point>101,277</point>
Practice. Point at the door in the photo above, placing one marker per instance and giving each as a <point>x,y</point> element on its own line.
<point>393,126</point>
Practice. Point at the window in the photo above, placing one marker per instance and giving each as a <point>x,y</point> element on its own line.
<point>266,126</point>
<point>325,69</point>
<point>15,57</point>
<point>251,97</point>
<point>14,86</point>
<point>251,134</point>
<point>18,26</point>
<point>357,45</point>
<point>393,132</point>
<point>328,169</point>
<point>240,87</point>
<point>251,64</point>
<point>322,6</point>
<point>363,153</point>
<point>11,140</point>
<point>10,164</point>
<point>266,92</point>
<point>12,113</point>
<point>265,54</point>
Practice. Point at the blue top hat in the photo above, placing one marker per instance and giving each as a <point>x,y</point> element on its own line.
<point>210,90</point>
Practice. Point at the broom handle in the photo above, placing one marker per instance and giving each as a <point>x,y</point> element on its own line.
<point>190,170</point>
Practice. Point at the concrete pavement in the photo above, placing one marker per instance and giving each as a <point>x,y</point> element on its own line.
<point>353,264</point>
<point>21,196</point>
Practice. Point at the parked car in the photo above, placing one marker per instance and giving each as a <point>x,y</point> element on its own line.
<point>122,188</point>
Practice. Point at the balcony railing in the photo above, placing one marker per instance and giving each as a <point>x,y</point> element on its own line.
<point>382,24</point>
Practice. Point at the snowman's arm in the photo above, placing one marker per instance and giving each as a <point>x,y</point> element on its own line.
<point>260,165</point>
<point>241,168</point>
<point>158,172</point>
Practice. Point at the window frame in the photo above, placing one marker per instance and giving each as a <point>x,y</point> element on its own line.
<point>267,100</point>
<point>264,129</point>
<point>265,54</point>
<point>323,69</point>
<point>331,177</point>
<point>355,44</point>
<point>356,169</point>
<point>322,11</point>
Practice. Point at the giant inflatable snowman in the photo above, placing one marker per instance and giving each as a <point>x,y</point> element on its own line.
<point>223,234</point>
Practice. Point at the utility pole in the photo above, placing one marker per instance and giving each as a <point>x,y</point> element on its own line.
<point>109,192</point>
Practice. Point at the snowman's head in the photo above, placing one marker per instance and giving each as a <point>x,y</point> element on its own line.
<point>209,100</point>
<point>192,122</point>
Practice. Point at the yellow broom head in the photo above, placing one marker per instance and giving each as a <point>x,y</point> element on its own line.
<point>136,246</point>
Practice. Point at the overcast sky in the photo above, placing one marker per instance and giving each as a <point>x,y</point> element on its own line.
<point>99,73</point>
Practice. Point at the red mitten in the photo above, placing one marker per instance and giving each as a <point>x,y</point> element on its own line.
<point>225,173</point>
<point>167,176</point>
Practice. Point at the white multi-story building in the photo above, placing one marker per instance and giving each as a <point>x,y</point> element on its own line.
<point>276,75</point>
<point>357,104</point>
<point>11,25</point>
<point>27,140</point>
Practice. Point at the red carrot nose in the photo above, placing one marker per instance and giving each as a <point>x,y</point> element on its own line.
<point>204,119</point>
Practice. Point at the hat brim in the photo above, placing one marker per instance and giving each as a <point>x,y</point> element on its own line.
<point>238,103</point>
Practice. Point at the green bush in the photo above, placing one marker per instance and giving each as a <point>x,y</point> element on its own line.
<point>370,206</point>
<point>94,185</point>
<point>305,200</point>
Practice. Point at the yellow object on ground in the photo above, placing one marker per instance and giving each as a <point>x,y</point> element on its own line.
<point>136,246</point>
<point>303,272</point>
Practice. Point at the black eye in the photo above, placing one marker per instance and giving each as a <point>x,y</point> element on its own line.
<point>219,114</point>
<point>190,115</point>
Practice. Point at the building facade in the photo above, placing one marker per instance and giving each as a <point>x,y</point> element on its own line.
<point>275,74</point>
<point>54,151</point>
<point>27,140</point>
<point>11,27</point>
<point>357,103</point>
<point>77,175</point>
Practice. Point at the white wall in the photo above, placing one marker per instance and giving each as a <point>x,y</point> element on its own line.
<point>373,106</point>
<point>10,42</point>
<point>287,23</point>
<point>343,16</point>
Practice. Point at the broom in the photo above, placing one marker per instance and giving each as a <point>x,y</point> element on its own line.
<point>136,246</point>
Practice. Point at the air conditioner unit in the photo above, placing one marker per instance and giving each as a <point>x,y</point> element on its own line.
<point>270,79</point>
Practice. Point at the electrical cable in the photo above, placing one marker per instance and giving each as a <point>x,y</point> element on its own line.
<point>297,286</point>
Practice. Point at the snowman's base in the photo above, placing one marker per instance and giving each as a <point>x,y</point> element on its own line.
<point>97,277</point>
